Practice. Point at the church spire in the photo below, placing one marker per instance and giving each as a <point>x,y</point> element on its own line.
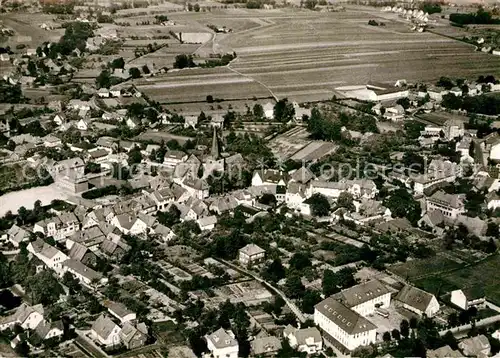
<point>215,146</point>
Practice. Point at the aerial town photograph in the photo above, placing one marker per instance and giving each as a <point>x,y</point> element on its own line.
<point>249,178</point>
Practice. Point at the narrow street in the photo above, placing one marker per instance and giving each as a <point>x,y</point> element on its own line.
<point>296,311</point>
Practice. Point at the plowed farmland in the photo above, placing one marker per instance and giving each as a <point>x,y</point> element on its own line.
<point>305,55</point>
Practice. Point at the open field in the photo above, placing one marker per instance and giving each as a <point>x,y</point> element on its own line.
<point>196,84</point>
<point>305,55</point>
<point>27,29</point>
<point>477,276</point>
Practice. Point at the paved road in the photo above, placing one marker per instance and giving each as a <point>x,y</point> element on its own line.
<point>296,311</point>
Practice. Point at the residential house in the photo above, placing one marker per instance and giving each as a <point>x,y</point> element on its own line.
<point>268,110</point>
<point>16,235</point>
<point>418,301</point>
<point>265,346</point>
<point>162,198</point>
<point>269,177</point>
<point>443,352</point>
<point>197,188</point>
<point>343,327</point>
<point>163,232</point>
<point>103,93</point>
<point>59,119</point>
<point>438,171</point>
<point>28,317</point>
<point>222,343</point>
<point>133,337</point>
<point>190,121</point>
<point>50,141</point>
<point>49,255</point>
<point>493,200</point>
<point>304,340</point>
<point>450,205</point>
<point>478,346</point>
<point>105,331</point>
<point>59,227</point>
<point>91,236</point>
<point>466,298</point>
<point>83,124</point>
<point>251,254</point>
<point>436,93</point>
<point>84,274</point>
<point>49,330</point>
<point>129,224</point>
<point>174,157</point>
<point>207,223</point>
<point>120,311</point>
<point>83,254</point>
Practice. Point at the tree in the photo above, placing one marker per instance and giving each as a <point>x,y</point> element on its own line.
<point>117,63</point>
<point>23,349</point>
<point>445,82</point>
<point>283,111</point>
<point>450,340</point>
<point>402,204</point>
<point>184,61</point>
<point>311,4</point>
<point>346,201</point>
<point>274,272</point>
<point>453,319</point>
<point>404,102</point>
<point>320,206</point>
<point>300,261</point>
<point>268,199</point>
<point>5,274</point>
<point>386,336</point>
<point>258,111</point>
<point>103,80</point>
<point>70,281</point>
<point>404,328</point>
<point>395,334</point>
<point>134,72</point>
<point>43,288</point>
<point>134,156</point>
<point>293,286</point>
<point>492,229</point>
<point>310,299</point>
<point>196,7</point>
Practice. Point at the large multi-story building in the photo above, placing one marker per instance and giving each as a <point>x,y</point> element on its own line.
<point>450,205</point>
<point>343,327</point>
<point>365,298</point>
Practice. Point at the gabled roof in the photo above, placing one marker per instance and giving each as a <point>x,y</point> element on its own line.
<point>77,251</point>
<point>207,220</point>
<point>414,297</point>
<point>348,320</point>
<point>44,327</point>
<point>265,345</point>
<point>103,326</point>
<point>252,249</point>
<point>452,200</point>
<point>356,295</point>
<point>222,339</point>
<point>117,308</point>
<point>81,269</point>
<point>128,332</point>
<point>302,175</point>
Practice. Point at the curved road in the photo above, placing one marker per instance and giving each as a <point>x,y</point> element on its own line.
<point>296,311</point>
